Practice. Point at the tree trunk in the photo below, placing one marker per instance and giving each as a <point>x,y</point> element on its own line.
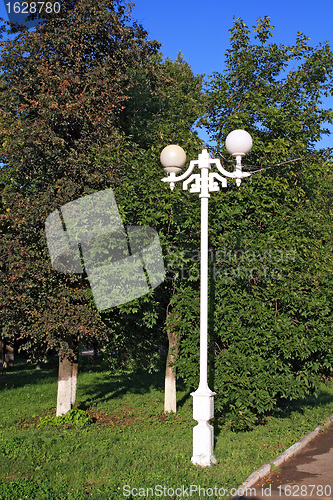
<point>67,380</point>
<point>170,393</point>
<point>64,397</point>
<point>1,354</point>
<point>95,350</point>
<point>75,366</point>
<point>9,355</point>
<point>6,355</point>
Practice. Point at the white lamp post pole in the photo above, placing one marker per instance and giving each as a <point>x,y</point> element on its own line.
<point>203,397</point>
<point>173,158</point>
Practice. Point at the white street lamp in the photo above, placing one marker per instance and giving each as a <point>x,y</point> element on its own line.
<point>238,143</point>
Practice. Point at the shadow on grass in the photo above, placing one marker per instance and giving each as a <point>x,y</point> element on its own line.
<point>94,390</point>
<point>118,385</point>
<point>286,408</point>
<point>183,400</point>
<point>24,373</point>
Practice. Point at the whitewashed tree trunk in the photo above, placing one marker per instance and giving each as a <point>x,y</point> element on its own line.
<point>67,381</point>
<point>75,366</point>
<point>64,397</point>
<point>170,392</point>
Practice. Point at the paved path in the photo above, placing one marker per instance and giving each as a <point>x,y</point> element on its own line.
<point>308,475</point>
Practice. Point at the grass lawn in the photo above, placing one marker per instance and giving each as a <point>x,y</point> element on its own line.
<point>130,445</point>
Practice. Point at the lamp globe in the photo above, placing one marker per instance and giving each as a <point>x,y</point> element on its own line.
<point>238,142</point>
<point>173,159</point>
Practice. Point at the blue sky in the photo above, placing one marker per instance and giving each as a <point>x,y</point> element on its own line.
<point>200,30</point>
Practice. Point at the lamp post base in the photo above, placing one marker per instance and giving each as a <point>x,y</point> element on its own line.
<point>203,443</point>
<point>203,433</point>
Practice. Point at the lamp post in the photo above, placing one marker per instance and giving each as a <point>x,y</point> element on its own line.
<point>173,158</point>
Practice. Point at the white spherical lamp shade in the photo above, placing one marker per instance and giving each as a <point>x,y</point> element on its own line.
<point>238,143</point>
<point>173,159</point>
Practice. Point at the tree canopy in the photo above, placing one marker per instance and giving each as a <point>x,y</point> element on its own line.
<point>63,86</point>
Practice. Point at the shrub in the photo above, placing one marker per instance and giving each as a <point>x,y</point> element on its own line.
<point>74,417</point>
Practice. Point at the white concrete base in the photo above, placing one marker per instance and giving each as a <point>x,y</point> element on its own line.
<point>203,433</point>
<point>203,444</point>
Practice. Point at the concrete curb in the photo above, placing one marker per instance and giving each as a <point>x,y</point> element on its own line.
<point>265,469</point>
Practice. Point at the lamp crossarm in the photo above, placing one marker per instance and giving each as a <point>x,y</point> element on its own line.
<point>196,187</point>
<point>173,178</point>
<point>213,185</point>
<point>233,175</point>
<point>237,174</point>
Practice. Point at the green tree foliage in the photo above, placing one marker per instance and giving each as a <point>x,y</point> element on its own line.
<point>276,90</point>
<point>163,106</point>
<point>144,200</point>
<point>270,240</point>
<point>63,88</point>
